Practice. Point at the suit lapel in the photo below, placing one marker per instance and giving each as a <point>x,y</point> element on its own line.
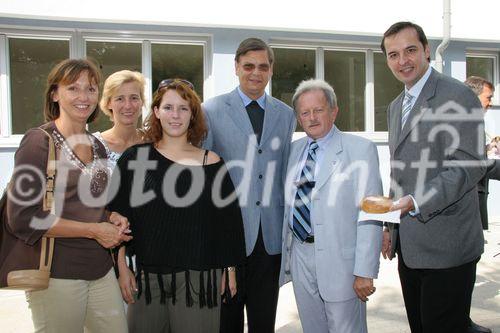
<point>271,115</point>
<point>237,112</point>
<point>421,106</point>
<point>331,159</point>
<point>395,120</point>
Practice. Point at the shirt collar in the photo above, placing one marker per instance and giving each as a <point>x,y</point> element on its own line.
<point>324,141</point>
<point>417,87</point>
<point>247,100</point>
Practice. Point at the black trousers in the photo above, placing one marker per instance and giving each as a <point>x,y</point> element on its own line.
<point>260,294</point>
<point>437,300</point>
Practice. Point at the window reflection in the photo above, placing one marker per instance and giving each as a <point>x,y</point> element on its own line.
<point>345,71</point>
<point>30,63</point>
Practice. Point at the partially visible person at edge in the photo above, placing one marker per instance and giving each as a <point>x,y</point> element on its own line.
<point>184,243</point>
<point>484,91</point>
<point>83,291</point>
<point>122,101</point>
<point>439,240</point>
<point>253,131</point>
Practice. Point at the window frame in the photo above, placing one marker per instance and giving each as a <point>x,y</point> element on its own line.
<point>488,54</point>
<point>77,39</point>
<point>368,48</point>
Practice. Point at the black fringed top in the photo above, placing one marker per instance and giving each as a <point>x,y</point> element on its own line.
<point>182,217</point>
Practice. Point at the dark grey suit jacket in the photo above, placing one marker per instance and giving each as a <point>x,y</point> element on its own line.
<point>493,172</point>
<point>444,131</point>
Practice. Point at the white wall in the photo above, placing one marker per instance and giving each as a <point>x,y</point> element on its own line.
<point>470,19</point>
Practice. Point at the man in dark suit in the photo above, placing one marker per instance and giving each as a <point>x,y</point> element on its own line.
<point>484,91</point>
<point>252,132</point>
<point>436,133</point>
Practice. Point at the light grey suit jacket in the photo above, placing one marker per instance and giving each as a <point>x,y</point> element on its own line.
<point>343,247</point>
<point>447,233</point>
<point>257,170</point>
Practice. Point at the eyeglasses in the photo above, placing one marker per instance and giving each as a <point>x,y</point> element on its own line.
<point>167,82</point>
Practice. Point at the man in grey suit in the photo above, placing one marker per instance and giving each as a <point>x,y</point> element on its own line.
<point>484,91</point>
<point>436,143</point>
<point>330,257</point>
<point>252,132</point>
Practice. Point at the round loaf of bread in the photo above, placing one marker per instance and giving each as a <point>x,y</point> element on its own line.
<point>376,204</point>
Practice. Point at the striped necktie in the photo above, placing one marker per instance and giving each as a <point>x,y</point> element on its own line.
<point>302,205</point>
<point>405,113</point>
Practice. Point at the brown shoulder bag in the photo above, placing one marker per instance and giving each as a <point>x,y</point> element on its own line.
<point>18,260</point>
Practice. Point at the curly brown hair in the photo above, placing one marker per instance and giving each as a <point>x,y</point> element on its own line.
<point>67,72</point>
<point>197,130</point>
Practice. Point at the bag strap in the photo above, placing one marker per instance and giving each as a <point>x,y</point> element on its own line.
<point>47,247</point>
<point>205,157</point>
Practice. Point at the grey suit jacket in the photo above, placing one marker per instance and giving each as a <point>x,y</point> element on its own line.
<point>257,169</point>
<point>445,132</point>
<point>493,172</point>
<point>343,247</point>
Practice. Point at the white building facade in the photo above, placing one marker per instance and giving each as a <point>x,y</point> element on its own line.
<point>336,41</point>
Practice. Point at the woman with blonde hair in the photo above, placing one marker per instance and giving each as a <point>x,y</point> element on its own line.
<point>122,101</point>
<point>187,240</point>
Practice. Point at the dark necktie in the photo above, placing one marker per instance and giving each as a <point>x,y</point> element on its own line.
<point>256,115</point>
<point>302,207</point>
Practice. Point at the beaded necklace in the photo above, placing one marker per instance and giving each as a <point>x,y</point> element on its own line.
<point>95,171</point>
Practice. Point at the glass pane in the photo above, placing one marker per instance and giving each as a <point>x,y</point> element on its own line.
<point>110,58</point>
<point>30,63</point>
<point>178,61</point>
<point>291,66</point>
<point>482,67</point>
<point>386,88</point>
<point>345,71</point>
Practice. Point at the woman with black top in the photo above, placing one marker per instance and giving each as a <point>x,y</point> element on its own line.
<point>186,222</point>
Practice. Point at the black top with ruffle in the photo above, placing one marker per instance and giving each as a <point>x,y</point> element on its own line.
<point>182,217</point>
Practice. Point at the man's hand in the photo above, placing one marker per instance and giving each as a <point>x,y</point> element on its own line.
<point>405,204</point>
<point>363,287</point>
<point>386,244</point>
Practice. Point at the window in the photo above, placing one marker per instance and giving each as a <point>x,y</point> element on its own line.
<point>111,57</point>
<point>482,66</point>
<point>346,72</point>
<point>178,61</point>
<point>30,62</point>
<point>27,56</point>
<point>386,88</point>
<point>291,66</point>
<point>351,70</point>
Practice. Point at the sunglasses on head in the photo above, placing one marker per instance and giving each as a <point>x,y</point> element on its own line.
<point>167,82</point>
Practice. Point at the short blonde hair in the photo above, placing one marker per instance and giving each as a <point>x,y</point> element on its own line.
<point>114,82</point>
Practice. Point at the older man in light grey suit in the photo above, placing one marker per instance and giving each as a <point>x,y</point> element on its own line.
<point>436,142</point>
<point>252,132</point>
<point>330,257</point>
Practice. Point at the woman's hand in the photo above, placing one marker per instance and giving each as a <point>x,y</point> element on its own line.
<point>120,221</point>
<point>128,287</point>
<point>232,283</point>
<point>108,235</point>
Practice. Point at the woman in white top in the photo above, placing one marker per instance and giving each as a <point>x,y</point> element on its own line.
<point>122,101</point>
